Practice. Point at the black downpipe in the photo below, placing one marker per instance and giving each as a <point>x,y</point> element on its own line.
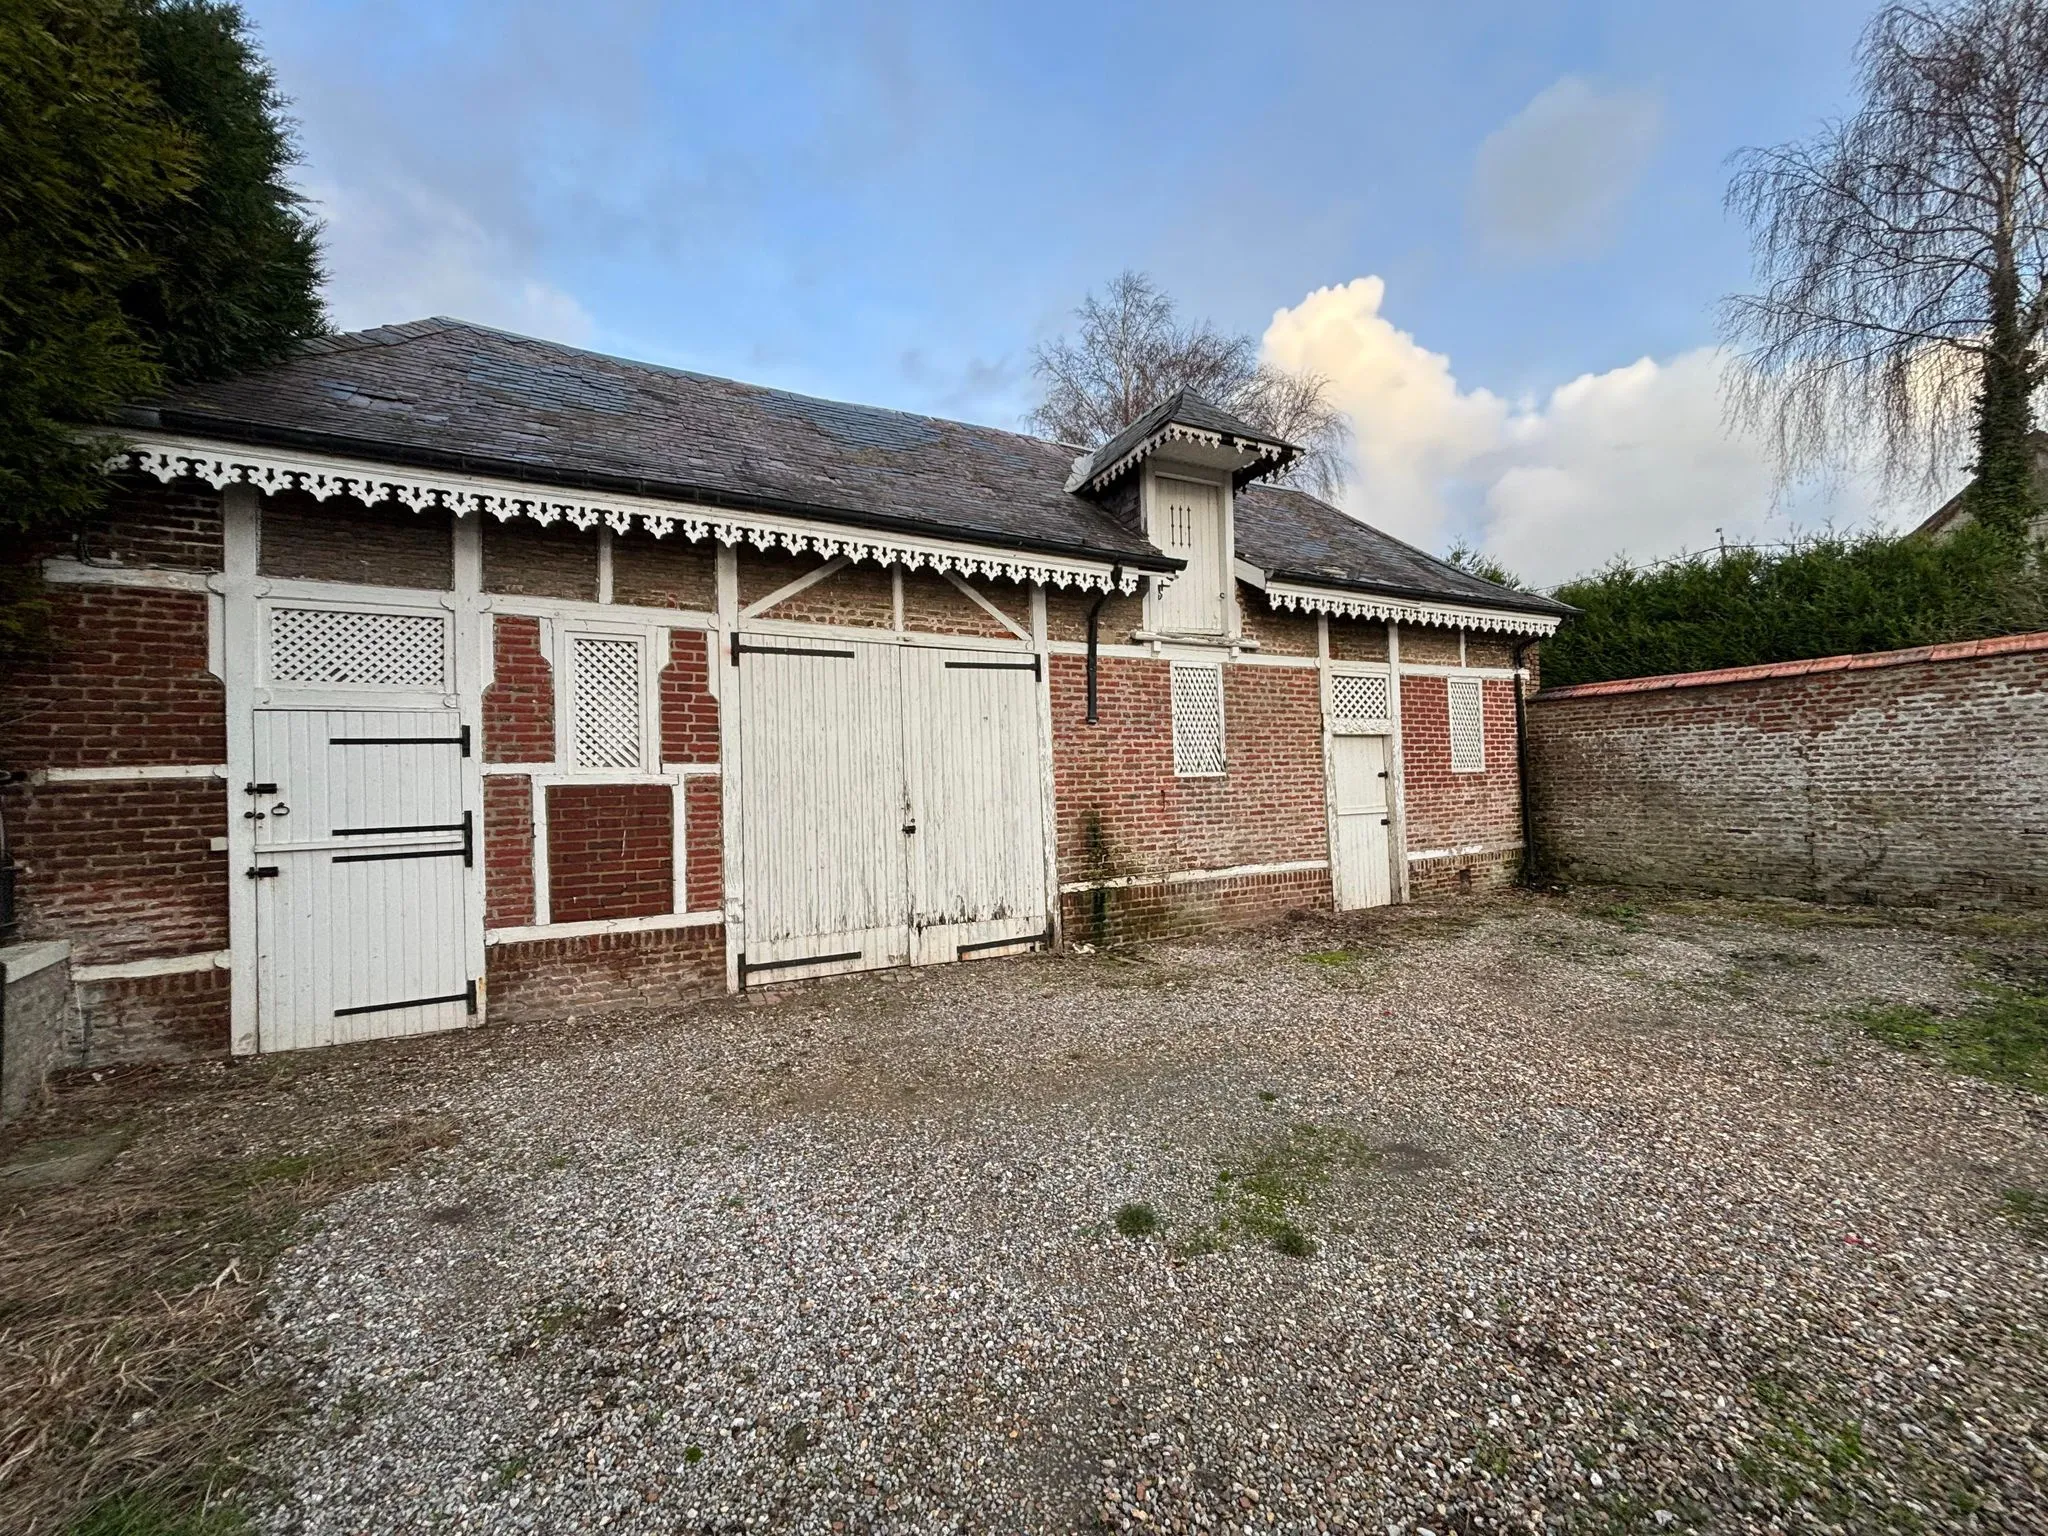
<point>1116,576</point>
<point>1528,871</point>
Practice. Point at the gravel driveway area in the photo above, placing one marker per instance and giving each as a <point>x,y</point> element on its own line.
<point>1530,1214</point>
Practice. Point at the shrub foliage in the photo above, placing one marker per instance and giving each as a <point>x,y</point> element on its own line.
<point>1828,596</point>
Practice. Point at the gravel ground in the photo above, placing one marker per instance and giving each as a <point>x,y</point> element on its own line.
<point>1615,1223</point>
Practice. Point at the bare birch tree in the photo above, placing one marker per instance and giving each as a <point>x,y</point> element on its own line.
<point>1902,258</point>
<point>1132,351</point>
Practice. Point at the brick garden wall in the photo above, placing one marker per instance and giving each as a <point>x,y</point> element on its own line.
<point>1907,777</point>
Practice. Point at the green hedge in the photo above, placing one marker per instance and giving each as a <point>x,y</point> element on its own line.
<point>1827,597</point>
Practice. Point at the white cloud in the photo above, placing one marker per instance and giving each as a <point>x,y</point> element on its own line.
<point>398,250</point>
<point>1548,182</point>
<point>1637,461</point>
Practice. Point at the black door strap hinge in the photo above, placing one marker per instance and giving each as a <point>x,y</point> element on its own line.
<point>263,872</point>
<point>1030,666</point>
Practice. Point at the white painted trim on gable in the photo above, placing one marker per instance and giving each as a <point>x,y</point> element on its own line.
<point>1426,855</point>
<point>137,970</point>
<point>1367,605</point>
<point>129,775</point>
<point>1196,876</point>
<point>1490,674</point>
<point>83,573</point>
<point>657,923</point>
<point>170,457</point>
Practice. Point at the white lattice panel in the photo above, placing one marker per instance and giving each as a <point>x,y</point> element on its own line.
<point>606,706</point>
<point>1468,726</point>
<point>1197,720</point>
<point>1358,701</point>
<point>377,650</point>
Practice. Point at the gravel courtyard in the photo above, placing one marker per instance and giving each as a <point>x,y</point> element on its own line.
<point>1529,1214</point>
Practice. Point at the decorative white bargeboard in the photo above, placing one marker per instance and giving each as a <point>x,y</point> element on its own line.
<point>323,477</point>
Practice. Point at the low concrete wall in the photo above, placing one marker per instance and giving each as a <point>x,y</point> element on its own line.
<point>1905,777</point>
<point>35,1016</point>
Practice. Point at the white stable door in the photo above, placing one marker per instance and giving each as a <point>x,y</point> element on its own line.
<point>1363,874</point>
<point>363,846</point>
<point>823,850</point>
<point>971,737</point>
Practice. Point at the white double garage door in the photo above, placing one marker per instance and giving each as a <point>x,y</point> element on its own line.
<point>893,805</point>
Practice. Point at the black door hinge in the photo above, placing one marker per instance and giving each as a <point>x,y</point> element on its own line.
<point>263,872</point>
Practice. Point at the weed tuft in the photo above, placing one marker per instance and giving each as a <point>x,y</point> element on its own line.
<point>2001,1036</point>
<point>2026,1209</point>
<point>1136,1219</point>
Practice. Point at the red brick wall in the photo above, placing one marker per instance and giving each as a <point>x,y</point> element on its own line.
<point>125,870</point>
<point>147,523</point>
<point>689,713</point>
<point>508,851</point>
<point>1909,783</point>
<point>611,850</point>
<point>127,685</point>
<point>703,845</point>
<point>1121,810</point>
<point>519,706</point>
<point>1136,913</point>
<point>558,978</point>
<point>1455,810</point>
<point>154,1018</point>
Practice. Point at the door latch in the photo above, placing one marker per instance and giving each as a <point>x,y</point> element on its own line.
<point>910,828</point>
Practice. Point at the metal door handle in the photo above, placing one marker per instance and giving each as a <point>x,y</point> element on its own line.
<point>280,810</point>
<point>910,827</point>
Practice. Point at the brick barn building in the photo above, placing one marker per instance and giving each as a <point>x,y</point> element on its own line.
<point>440,674</point>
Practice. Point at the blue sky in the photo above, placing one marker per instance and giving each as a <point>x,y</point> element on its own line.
<point>892,204</point>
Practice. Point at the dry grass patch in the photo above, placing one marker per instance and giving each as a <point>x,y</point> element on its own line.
<point>127,1387</point>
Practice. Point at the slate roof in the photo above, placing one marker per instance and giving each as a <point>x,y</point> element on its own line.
<point>447,394</point>
<point>1293,536</point>
<point>1188,409</point>
<point>451,395</point>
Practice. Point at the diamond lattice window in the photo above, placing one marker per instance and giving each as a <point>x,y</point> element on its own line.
<point>1358,701</point>
<point>1197,720</point>
<point>1468,726</point>
<point>354,650</point>
<point>605,711</point>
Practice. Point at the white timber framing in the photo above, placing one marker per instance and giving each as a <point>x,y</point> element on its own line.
<point>240,645</point>
<point>1397,781</point>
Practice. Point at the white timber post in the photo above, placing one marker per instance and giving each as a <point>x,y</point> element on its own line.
<point>238,583</point>
<point>1398,779</point>
<point>726,690</point>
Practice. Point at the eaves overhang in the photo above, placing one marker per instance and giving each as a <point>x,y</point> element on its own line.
<point>222,452</point>
<point>1285,591</point>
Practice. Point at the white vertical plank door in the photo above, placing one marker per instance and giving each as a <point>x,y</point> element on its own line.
<point>361,866</point>
<point>1189,526</point>
<point>972,747</point>
<point>1363,874</point>
<point>822,807</point>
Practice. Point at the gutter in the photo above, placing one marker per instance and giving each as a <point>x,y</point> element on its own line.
<point>260,435</point>
<point>1094,630</point>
